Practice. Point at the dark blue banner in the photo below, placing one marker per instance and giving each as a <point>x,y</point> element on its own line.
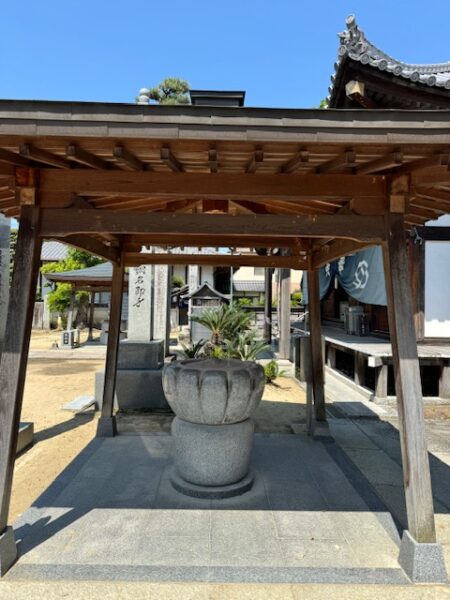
<point>361,275</point>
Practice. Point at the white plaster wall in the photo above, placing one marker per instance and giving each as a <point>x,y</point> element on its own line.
<point>437,285</point>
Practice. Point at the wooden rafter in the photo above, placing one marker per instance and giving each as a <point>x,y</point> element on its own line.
<point>77,154</point>
<point>343,161</point>
<point>170,160</point>
<point>13,158</point>
<point>380,164</point>
<point>300,159</point>
<point>43,156</point>
<point>255,161</point>
<point>213,161</point>
<point>125,158</point>
<point>436,160</point>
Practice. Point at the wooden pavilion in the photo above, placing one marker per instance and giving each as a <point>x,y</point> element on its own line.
<point>318,184</point>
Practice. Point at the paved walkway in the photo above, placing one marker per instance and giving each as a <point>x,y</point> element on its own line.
<point>113,516</point>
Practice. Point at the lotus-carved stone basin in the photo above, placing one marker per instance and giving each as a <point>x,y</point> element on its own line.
<point>212,432</point>
<point>213,391</point>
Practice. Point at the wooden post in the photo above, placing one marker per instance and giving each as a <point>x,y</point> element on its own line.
<point>416,468</point>
<point>91,316</point>
<point>331,357</point>
<point>316,344</point>
<point>15,349</point>
<point>444,380</point>
<point>381,381</point>
<point>416,254</point>
<point>107,423</point>
<point>285,314</point>
<point>360,368</point>
<point>268,305</point>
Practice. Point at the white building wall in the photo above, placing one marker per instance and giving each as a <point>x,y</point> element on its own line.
<point>437,285</point>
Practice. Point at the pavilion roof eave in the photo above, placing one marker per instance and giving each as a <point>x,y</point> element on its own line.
<point>275,174</point>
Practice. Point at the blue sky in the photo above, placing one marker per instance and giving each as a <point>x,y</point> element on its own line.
<point>280,51</point>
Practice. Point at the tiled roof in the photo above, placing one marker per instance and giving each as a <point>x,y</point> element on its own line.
<point>249,286</point>
<point>355,45</point>
<point>53,251</point>
<point>103,271</point>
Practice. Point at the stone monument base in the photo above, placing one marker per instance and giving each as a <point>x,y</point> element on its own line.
<point>212,461</point>
<point>139,377</point>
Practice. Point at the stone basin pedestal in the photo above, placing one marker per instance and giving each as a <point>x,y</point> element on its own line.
<point>213,432</point>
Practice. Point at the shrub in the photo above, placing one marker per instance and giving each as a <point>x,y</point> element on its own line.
<point>272,371</point>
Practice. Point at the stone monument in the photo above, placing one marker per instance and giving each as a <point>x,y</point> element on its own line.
<point>212,432</point>
<point>4,273</point>
<point>161,305</point>
<point>141,358</point>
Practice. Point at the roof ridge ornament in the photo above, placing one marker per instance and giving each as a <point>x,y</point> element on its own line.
<point>355,45</point>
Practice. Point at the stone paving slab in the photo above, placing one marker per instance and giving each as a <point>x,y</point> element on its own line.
<point>113,515</point>
<point>94,590</point>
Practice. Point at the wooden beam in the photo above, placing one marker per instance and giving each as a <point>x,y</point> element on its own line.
<point>343,161</point>
<point>133,242</point>
<point>335,250</point>
<point>229,186</point>
<point>438,176</point>
<point>380,164</point>
<point>315,332</point>
<point>436,160</point>
<point>13,159</point>
<point>15,348</point>
<point>60,222</point>
<point>170,160</point>
<point>416,468</point>
<point>107,426</point>
<point>255,161</point>
<point>126,158</point>
<point>213,160</point>
<point>219,259</point>
<point>300,159</point>
<point>92,245</point>
<point>83,157</point>
<point>43,156</point>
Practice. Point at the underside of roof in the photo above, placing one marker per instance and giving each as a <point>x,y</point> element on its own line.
<point>111,178</point>
<point>389,83</point>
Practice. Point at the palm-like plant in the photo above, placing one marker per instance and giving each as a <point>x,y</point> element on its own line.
<point>193,350</point>
<point>245,346</point>
<point>225,322</point>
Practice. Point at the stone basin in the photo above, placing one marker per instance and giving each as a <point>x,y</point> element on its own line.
<point>213,400</point>
<point>213,391</point>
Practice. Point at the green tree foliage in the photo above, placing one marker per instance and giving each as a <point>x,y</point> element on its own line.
<point>59,299</point>
<point>177,282</point>
<point>296,299</point>
<point>243,301</point>
<point>172,90</point>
